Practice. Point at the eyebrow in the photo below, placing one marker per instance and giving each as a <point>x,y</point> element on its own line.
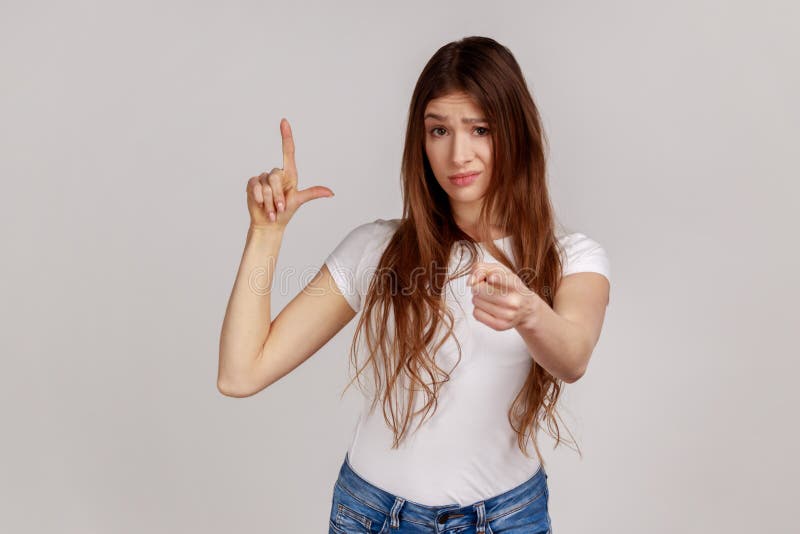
<point>465,120</point>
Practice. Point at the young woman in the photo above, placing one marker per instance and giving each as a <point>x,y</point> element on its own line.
<point>475,309</point>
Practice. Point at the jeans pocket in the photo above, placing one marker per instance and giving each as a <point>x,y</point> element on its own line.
<point>351,515</point>
<point>529,515</point>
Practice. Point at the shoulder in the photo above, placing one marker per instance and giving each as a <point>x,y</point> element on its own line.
<point>365,237</point>
<point>373,232</point>
<point>581,253</point>
<point>384,228</point>
<point>353,258</point>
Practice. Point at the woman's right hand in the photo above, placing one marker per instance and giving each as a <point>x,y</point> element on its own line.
<point>273,197</point>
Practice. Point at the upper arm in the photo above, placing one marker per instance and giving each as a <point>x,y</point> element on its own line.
<point>307,323</point>
<point>582,299</point>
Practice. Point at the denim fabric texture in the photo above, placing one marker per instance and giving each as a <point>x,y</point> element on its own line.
<point>359,507</point>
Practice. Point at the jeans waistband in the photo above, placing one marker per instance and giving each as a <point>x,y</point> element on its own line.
<point>452,515</point>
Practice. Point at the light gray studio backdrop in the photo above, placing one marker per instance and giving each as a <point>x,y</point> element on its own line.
<point>128,134</point>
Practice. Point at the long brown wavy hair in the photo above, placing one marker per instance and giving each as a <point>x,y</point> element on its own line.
<point>406,293</point>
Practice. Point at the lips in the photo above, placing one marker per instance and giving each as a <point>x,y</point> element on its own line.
<point>464,178</point>
<point>463,175</point>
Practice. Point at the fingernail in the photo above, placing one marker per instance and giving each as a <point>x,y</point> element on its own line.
<point>280,206</point>
<point>272,216</point>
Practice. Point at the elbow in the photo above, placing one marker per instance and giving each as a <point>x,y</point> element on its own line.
<point>578,369</point>
<point>233,389</point>
<point>575,375</point>
<point>579,365</point>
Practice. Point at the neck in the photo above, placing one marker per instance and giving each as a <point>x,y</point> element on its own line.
<point>469,225</point>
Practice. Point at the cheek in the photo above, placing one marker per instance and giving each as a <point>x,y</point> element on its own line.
<point>485,150</point>
<point>433,154</point>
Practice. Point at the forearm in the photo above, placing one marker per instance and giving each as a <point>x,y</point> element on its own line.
<point>247,318</point>
<point>555,343</point>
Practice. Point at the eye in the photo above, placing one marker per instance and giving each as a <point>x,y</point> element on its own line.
<point>433,130</point>
<point>486,130</point>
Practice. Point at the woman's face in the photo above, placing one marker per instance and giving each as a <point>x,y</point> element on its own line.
<point>458,141</point>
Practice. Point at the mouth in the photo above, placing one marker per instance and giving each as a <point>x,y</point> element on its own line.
<point>465,178</point>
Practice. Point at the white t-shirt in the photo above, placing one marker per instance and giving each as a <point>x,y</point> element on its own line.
<point>467,451</point>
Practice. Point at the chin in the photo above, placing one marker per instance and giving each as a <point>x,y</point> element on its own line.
<point>472,192</point>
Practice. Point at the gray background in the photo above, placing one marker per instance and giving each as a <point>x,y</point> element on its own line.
<point>130,130</point>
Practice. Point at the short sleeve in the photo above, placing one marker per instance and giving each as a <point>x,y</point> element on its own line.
<point>584,254</point>
<point>345,262</point>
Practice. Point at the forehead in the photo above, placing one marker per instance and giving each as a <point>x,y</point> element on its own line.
<point>454,104</point>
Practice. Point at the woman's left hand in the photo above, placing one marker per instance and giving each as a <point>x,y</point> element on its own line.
<point>501,298</point>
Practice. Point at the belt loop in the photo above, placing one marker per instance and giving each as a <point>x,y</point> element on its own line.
<point>398,503</point>
<point>481,523</point>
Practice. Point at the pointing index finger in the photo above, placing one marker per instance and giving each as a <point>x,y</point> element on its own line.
<point>488,272</point>
<point>477,274</point>
<point>287,142</point>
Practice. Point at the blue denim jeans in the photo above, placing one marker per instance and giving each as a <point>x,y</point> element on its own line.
<point>361,508</point>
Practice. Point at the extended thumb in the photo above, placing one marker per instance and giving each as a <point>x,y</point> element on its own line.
<point>310,193</point>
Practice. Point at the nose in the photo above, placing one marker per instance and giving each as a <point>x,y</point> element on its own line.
<point>461,149</point>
